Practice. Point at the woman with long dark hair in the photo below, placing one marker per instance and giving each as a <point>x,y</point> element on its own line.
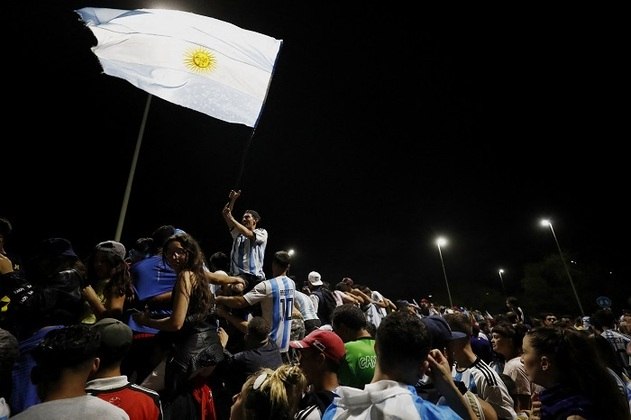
<point>577,384</point>
<point>190,332</point>
<point>109,290</point>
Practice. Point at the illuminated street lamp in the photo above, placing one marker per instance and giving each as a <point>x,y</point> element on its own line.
<point>546,222</point>
<point>500,272</point>
<point>440,241</point>
<point>291,252</point>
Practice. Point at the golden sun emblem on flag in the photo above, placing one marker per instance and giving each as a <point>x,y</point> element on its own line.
<point>200,60</point>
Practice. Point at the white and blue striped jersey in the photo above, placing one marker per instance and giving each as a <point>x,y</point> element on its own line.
<point>246,255</point>
<point>276,297</point>
<point>485,382</point>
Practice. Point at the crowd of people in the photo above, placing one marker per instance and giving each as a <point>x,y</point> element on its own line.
<point>160,331</point>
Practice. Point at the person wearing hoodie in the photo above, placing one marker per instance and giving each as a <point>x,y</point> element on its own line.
<point>404,355</point>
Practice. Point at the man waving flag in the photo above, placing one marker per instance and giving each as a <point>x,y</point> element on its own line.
<point>198,62</point>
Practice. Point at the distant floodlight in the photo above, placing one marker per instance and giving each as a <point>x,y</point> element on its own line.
<point>546,222</point>
<point>440,241</point>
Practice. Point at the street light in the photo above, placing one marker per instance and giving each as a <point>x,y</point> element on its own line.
<point>500,272</point>
<point>546,222</point>
<point>440,241</point>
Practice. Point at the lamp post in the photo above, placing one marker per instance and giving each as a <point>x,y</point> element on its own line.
<point>442,242</point>
<point>546,222</point>
<point>500,272</point>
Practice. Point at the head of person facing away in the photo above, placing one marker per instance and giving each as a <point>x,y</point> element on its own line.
<point>116,339</point>
<point>511,302</point>
<point>270,394</point>
<point>349,322</point>
<point>602,320</point>
<point>257,333</point>
<point>281,263</point>
<point>64,359</point>
<point>159,237</point>
<point>402,344</point>
<point>219,261</point>
<point>139,250</point>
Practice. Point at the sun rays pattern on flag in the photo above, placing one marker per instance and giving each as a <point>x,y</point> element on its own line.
<point>194,61</point>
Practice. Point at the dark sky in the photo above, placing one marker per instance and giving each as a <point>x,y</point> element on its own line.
<point>384,127</point>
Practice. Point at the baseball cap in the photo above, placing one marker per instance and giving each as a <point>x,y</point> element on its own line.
<point>114,333</point>
<point>113,247</point>
<point>326,342</point>
<point>55,247</point>
<point>315,279</point>
<point>440,331</point>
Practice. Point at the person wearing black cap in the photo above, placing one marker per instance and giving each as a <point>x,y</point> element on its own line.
<point>476,374</point>
<point>46,292</point>
<point>45,295</point>
<point>109,384</point>
<point>440,331</point>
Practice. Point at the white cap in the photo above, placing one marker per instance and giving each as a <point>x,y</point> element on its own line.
<point>315,279</point>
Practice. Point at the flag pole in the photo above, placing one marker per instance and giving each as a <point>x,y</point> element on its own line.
<point>256,124</point>
<point>132,171</point>
<point>243,158</point>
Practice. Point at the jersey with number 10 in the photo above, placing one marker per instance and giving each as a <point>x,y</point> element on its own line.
<point>276,297</point>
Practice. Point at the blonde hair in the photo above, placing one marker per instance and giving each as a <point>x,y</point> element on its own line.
<point>274,394</point>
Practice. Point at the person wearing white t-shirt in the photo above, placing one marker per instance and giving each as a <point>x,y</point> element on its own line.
<point>64,360</point>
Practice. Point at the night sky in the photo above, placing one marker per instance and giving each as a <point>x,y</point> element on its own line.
<point>384,128</point>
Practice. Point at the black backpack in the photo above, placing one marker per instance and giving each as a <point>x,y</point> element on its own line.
<point>326,304</point>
